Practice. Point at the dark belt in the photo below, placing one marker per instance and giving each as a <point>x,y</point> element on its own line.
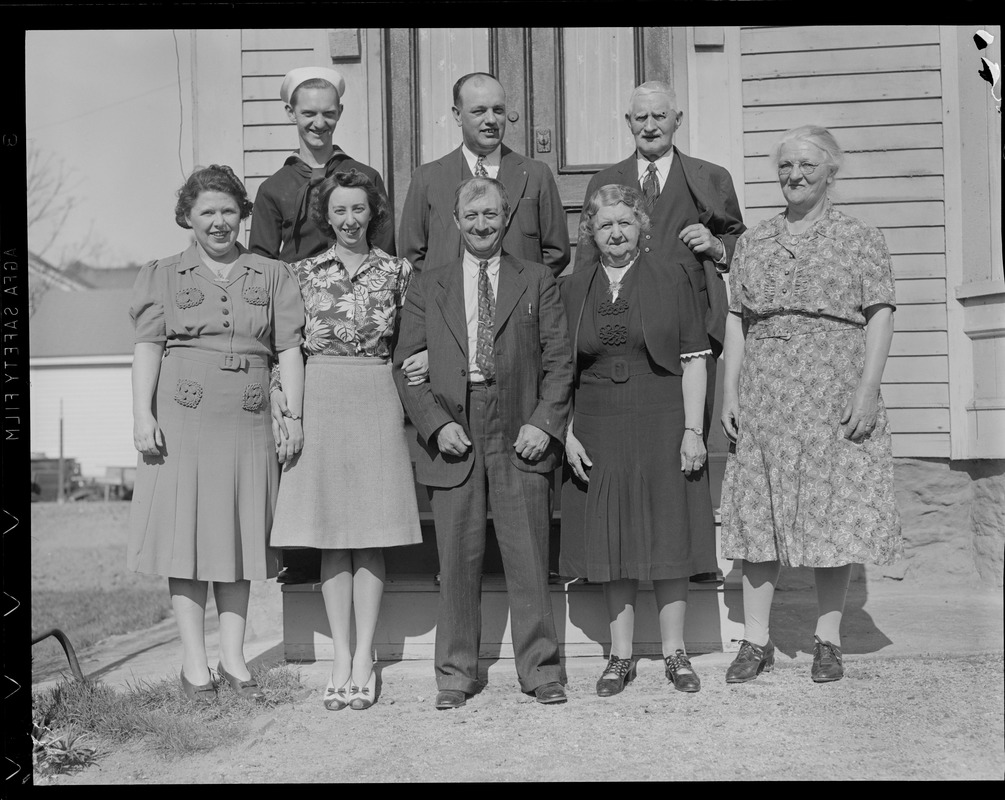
<point>619,370</point>
<point>481,384</point>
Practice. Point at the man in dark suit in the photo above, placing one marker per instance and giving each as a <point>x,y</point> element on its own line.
<point>536,231</point>
<point>693,209</point>
<point>490,421</point>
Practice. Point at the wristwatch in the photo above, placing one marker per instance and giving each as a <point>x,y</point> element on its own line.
<point>694,430</point>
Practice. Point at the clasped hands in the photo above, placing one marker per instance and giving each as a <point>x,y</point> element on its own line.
<point>531,442</point>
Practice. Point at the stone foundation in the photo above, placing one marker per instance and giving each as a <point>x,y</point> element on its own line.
<point>953,519</point>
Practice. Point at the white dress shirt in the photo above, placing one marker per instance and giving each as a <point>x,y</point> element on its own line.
<point>492,161</point>
<point>470,266</point>
<point>662,167</point>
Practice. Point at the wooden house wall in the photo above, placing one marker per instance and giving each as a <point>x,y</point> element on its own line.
<point>879,91</point>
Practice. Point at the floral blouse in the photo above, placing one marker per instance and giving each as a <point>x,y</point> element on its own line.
<point>837,268</point>
<point>351,316</point>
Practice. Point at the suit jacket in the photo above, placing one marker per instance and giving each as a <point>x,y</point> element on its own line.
<point>537,229</point>
<point>660,288</point>
<point>533,363</point>
<point>712,189</point>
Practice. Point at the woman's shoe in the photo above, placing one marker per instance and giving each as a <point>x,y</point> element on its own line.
<point>363,696</point>
<point>827,662</point>
<point>681,674</point>
<point>750,662</point>
<point>624,671</point>
<point>337,699</point>
<point>246,689</point>
<point>206,693</point>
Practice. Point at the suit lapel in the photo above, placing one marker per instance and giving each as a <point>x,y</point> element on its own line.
<point>448,178</point>
<point>578,304</point>
<point>512,175</point>
<point>512,286</point>
<point>697,182</point>
<point>451,302</point>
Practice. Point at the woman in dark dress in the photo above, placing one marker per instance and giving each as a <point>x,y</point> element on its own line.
<point>635,499</point>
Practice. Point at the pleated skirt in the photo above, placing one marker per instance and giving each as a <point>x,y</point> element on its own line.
<point>639,516</point>
<point>203,509</point>
<point>352,485</point>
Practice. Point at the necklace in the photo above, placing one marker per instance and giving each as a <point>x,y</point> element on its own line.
<point>615,275</point>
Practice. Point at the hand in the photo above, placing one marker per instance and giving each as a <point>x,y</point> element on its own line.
<point>148,438</point>
<point>416,368</point>
<point>278,402</point>
<point>692,453</point>
<point>730,418</point>
<point>700,240</point>
<point>291,444</point>
<point>575,454</point>
<point>452,440</point>
<point>858,419</point>
<point>531,442</point>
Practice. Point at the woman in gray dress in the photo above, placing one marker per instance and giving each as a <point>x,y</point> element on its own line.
<point>207,323</point>
<point>811,480</point>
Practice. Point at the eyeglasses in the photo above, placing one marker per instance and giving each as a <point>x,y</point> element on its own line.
<point>805,167</point>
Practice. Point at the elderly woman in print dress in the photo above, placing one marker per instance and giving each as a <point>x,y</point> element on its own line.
<point>207,323</point>
<point>811,480</point>
<point>350,492</point>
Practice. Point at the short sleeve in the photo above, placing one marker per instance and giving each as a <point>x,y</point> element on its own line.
<point>736,276</point>
<point>287,310</point>
<point>878,286</point>
<point>692,335</point>
<point>147,307</point>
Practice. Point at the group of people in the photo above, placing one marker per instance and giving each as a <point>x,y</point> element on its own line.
<point>271,384</point>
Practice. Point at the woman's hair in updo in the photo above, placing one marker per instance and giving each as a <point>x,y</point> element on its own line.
<point>611,195</point>
<point>214,178</point>
<point>818,137</point>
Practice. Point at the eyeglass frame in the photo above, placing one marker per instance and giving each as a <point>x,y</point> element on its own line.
<point>784,171</point>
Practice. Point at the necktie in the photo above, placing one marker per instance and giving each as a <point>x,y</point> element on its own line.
<point>651,186</point>
<point>486,312</point>
<point>480,171</point>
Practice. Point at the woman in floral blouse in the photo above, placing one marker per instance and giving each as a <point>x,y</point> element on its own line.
<point>350,491</point>
<point>811,480</point>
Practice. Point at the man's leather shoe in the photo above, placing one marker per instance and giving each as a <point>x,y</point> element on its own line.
<point>550,693</point>
<point>450,698</point>
<point>750,662</point>
<point>827,663</point>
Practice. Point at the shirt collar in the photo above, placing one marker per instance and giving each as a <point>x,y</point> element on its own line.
<point>823,226</point>
<point>329,257</point>
<point>295,160</point>
<point>471,263</point>
<point>662,163</point>
<point>245,258</point>
<point>493,159</point>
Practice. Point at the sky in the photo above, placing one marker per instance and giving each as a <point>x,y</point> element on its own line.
<point>104,105</point>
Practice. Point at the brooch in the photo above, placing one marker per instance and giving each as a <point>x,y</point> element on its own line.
<point>188,393</point>
<point>256,295</point>
<point>186,298</point>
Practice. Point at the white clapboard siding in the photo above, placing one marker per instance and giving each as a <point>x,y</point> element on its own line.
<point>97,414</point>
<point>878,89</point>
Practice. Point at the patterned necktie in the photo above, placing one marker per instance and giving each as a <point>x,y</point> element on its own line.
<point>651,186</point>
<point>480,171</point>
<point>486,314</point>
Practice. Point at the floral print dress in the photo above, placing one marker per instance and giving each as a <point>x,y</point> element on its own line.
<point>795,489</point>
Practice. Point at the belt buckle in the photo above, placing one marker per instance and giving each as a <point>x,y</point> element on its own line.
<point>232,361</point>
<point>619,371</point>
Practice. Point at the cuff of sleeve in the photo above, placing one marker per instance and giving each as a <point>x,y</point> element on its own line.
<point>720,263</point>
<point>699,354</point>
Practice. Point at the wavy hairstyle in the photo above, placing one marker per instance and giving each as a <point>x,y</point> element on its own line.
<point>818,137</point>
<point>353,179</point>
<point>611,195</point>
<point>214,178</point>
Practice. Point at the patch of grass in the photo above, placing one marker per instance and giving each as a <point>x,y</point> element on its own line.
<point>156,712</point>
<point>88,616</point>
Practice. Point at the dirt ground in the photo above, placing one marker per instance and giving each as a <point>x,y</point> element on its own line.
<point>888,719</point>
<point>937,716</point>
